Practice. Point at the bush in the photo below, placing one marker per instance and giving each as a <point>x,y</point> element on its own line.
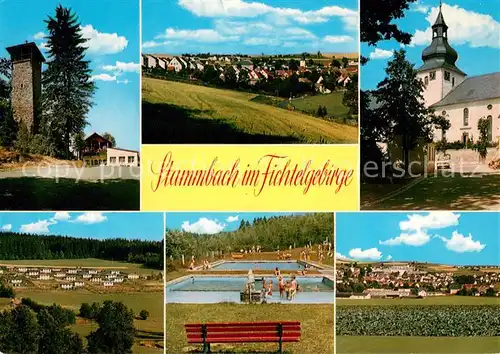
<point>143,315</point>
<point>90,311</point>
<point>7,291</point>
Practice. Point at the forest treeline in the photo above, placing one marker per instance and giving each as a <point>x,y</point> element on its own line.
<point>277,232</point>
<point>18,246</point>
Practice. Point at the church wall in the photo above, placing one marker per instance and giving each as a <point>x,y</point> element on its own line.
<point>434,89</point>
<point>477,110</point>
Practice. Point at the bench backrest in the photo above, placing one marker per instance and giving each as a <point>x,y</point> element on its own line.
<point>259,331</point>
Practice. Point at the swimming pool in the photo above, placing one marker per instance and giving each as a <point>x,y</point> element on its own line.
<point>213,289</point>
<point>262,265</point>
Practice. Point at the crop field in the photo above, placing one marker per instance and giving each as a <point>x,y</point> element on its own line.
<point>83,263</point>
<point>429,301</point>
<point>149,331</point>
<point>176,112</point>
<point>412,320</point>
<point>421,345</point>
<point>317,335</point>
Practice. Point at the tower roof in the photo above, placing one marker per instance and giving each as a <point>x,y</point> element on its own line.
<point>439,53</point>
<point>28,50</point>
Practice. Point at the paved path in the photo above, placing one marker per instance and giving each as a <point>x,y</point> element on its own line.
<point>83,173</point>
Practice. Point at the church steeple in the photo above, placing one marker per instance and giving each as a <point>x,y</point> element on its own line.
<point>439,53</point>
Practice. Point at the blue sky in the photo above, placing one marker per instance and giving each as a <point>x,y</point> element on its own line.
<point>435,237</point>
<point>249,26</point>
<point>474,32</point>
<point>144,226</point>
<point>113,29</point>
<point>211,223</point>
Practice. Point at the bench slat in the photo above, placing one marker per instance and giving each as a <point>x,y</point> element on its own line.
<point>246,340</point>
<point>248,335</point>
<point>244,329</point>
<point>248,324</point>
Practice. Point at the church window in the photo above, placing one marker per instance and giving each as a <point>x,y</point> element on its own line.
<point>466,116</point>
<point>443,113</point>
<point>447,76</point>
<point>426,80</point>
<point>490,127</point>
<point>432,75</point>
<point>434,34</point>
<point>452,82</point>
<point>489,107</point>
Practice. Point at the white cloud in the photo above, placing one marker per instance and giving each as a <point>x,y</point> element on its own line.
<point>103,43</point>
<point>419,7</point>
<point>460,243</point>
<point>39,35</point>
<point>232,218</point>
<point>290,44</point>
<point>296,33</point>
<point>103,77</point>
<point>381,54</point>
<point>416,228</point>
<point>61,216</point>
<point>43,46</point>
<point>465,27</point>
<point>122,67</point>
<point>7,227</point>
<point>262,41</point>
<point>91,218</point>
<point>433,220</point>
<point>388,258</point>
<point>41,226</point>
<point>244,9</point>
<point>416,238</point>
<point>338,39</point>
<point>371,253</point>
<point>198,35</point>
<point>340,255</point>
<point>203,226</point>
<point>125,82</point>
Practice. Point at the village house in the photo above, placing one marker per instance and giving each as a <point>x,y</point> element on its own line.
<point>178,64</point>
<point>122,157</point>
<point>79,284</point>
<point>87,276</point>
<point>22,270</point>
<point>118,280</point>
<point>133,276</point>
<point>162,63</point>
<point>59,275</point>
<point>44,277</point>
<point>93,271</point>
<point>108,283</point>
<point>33,274</point>
<point>150,61</point>
<point>16,282</point>
<point>96,280</point>
<point>70,278</point>
<point>67,286</point>
<point>46,271</point>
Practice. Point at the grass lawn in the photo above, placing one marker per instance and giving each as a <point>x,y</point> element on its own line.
<point>332,102</point>
<point>87,262</point>
<point>439,193</point>
<point>150,330</point>
<point>316,322</point>
<point>30,193</point>
<point>437,300</point>
<point>176,112</point>
<point>399,345</point>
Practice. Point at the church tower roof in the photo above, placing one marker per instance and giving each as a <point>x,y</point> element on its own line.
<point>439,54</point>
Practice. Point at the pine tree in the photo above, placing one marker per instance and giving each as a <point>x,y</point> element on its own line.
<point>67,86</point>
<point>7,124</point>
<point>400,96</point>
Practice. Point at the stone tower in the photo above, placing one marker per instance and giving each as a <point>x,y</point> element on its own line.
<point>26,83</point>
<point>439,72</point>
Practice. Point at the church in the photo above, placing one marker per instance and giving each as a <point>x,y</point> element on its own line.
<point>460,98</point>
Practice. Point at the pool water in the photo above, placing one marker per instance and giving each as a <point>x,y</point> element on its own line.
<point>211,289</point>
<point>247,265</point>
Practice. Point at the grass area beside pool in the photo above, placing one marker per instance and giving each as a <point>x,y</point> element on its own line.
<point>175,112</point>
<point>438,193</point>
<point>31,193</point>
<point>317,334</point>
<point>414,345</point>
<point>150,330</point>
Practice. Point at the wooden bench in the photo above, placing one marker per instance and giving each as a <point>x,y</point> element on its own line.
<point>242,332</point>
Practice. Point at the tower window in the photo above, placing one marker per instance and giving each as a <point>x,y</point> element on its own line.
<point>489,107</point>
<point>466,117</point>
<point>443,113</point>
<point>447,76</point>
<point>432,75</point>
<point>426,80</point>
<point>452,82</point>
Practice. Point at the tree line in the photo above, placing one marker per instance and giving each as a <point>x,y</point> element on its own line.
<point>34,328</point>
<point>18,246</point>
<point>277,232</point>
